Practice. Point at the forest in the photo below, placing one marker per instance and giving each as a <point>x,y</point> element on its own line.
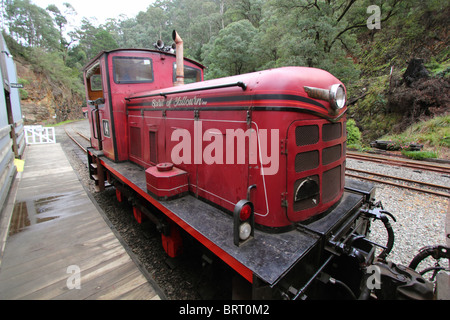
<point>368,44</point>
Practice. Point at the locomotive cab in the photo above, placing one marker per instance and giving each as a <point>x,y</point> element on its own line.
<point>113,75</point>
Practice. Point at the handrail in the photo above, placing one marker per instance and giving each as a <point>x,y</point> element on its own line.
<point>96,102</point>
<point>164,94</point>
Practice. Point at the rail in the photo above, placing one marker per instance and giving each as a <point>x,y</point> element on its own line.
<point>240,84</point>
<point>75,140</point>
<point>445,169</point>
<point>410,184</point>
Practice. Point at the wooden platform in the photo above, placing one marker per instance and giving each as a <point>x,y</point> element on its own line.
<point>59,245</point>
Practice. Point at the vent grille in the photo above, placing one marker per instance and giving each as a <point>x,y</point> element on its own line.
<point>331,184</point>
<point>316,162</point>
<point>331,131</point>
<point>306,161</point>
<point>331,154</point>
<point>306,135</point>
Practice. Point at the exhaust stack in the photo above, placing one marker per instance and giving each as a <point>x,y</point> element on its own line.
<point>180,58</point>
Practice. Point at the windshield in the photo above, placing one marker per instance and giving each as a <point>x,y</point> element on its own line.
<point>132,70</point>
<point>191,74</point>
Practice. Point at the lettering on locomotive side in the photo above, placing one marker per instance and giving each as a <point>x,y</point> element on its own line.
<point>178,101</point>
<point>221,150</point>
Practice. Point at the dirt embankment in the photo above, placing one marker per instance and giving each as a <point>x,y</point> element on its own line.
<point>44,101</point>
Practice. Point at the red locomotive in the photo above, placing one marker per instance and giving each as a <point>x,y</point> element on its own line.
<point>251,166</point>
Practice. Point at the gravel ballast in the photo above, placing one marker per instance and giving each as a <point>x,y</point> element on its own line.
<point>420,216</point>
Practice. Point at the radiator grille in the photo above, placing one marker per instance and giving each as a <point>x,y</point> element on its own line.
<point>306,135</point>
<point>331,184</point>
<point>306,161</point>
<point>331,131</point>
<point>331,154</point>
<point>319,157</point>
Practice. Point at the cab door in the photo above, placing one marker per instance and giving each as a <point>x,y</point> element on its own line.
<point>95,103</point>
<point>99,110</point>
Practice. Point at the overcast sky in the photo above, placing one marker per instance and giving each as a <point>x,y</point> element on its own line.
<point>100,9</point>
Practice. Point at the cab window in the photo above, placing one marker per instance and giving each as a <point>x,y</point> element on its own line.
<point>132,70</point>
<point>94,82</point>
<point>191,74</point>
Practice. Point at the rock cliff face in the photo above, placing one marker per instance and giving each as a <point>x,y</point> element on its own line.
<point>45,101</point>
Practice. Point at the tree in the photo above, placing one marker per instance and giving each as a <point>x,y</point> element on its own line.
<point>310,35</point>
<point>228,53</point>
<point>197,21</point>
<point>93,40</point>
<point>30,25</point>
<point>61,22</point>
<point>250,10</point>
<point>414,29</point>
<point>323,34</point>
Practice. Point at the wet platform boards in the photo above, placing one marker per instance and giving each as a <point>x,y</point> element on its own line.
<point>59,245</point>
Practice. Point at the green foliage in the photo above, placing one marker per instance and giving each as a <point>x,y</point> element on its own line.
<point>52,65</point>
<point>23,93</point>
<point>353,134</point>
<point>310,34</point>
<point>420,155</point>
<point>30,25</point>
<point>250,10</point>
<point>227,54</point>
<point>371,112</point>
<point>411,30</point>
<point>93,40</point>
<point>60,123</point>
<point>434,133</point>
<point>439,69</point>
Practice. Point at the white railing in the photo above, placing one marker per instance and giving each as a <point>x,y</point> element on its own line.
<point>39,134</point>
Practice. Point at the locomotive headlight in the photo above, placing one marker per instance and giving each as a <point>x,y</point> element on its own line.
<point>245,230</point>
<point>337,96</point>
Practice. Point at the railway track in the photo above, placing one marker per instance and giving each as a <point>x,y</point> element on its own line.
<point>434,167</point>
<point>81,140</point>
<point>82,147</point>
<point>394,181</point>
<point>420,186</point>
<point>74,135</point>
